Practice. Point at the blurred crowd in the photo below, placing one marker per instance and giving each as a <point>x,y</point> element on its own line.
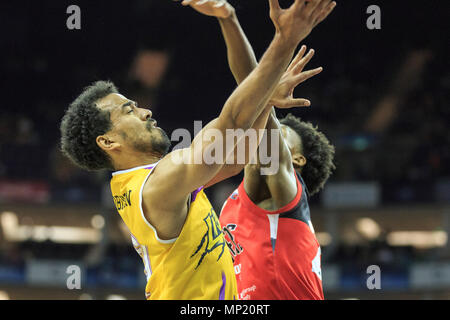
<point>393,135</point>
<point>121,267</point>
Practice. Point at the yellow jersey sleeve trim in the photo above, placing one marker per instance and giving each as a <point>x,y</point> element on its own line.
<point>134,169</point>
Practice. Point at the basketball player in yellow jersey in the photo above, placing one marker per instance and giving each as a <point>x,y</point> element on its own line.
<point>159,194</point>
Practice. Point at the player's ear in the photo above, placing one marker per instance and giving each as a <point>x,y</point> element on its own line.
<point>298,160</point>
<point>106,143</point>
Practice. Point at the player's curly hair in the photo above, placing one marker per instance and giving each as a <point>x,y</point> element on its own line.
<point>318,151</point>
<point>81,125</point>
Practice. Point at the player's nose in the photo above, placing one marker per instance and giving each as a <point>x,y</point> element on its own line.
<point>146,114</point>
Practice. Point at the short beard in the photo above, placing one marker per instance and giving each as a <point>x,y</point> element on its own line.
<point>158,145</point>
<point>162,144</point>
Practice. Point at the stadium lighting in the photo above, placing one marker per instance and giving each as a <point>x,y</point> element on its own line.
<point>97,221</point>
<point>85,296</point>
<point>418,239</point>
<point>115,297</point>
<point>58,234</point>
<point>74,235</point>
<point>39,233</point>
<point>324,238</point>
<point>368,227</point>
<point>4,295</point>
<point>9,223</point>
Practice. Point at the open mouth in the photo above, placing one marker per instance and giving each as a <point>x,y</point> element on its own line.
<point>152,124</point>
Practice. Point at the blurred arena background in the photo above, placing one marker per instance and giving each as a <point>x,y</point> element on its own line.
<point>382,100</point>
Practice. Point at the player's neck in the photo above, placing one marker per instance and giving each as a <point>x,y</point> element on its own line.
<point>133,161</point>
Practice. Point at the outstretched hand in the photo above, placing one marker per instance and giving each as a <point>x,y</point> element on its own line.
<point>213,8</point>
<point>296,22</point>
<point>283,95</point>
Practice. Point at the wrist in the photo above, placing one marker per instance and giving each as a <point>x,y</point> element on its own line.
<point>232,16</point>
<point>286,43</point>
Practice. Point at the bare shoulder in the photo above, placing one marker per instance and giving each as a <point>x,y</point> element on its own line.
<point>282,186</point>
<point>160,190</point>
<point>164,207</point>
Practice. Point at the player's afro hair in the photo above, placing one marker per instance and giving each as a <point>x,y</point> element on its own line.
<point>82,123</point>
<point>318,151</point>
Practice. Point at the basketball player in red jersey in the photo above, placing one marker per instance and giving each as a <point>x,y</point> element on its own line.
<point>266,221</point>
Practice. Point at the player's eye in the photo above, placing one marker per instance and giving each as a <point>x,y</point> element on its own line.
<point>131,110</point>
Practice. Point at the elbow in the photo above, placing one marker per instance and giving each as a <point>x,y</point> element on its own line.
<point>237,113</point>
<point>238,120</point>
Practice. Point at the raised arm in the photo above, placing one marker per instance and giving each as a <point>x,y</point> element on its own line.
<point>282,97</point>
<point>242,61</point>
<point>180,173</point>
<point>281,186</point>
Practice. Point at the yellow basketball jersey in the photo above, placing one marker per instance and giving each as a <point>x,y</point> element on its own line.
<point>195,265</point>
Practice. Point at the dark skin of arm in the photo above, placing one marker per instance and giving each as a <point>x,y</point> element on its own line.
<point>242,61</point>
<point>270,192</point>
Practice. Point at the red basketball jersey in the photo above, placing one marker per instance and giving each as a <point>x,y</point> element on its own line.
<point>276,255</point>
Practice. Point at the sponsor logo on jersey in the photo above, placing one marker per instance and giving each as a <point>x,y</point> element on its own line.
<point>212,239</point>
<point>233,245</point>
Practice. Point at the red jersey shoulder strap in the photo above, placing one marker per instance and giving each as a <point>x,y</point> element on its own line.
<point>247,202</point>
